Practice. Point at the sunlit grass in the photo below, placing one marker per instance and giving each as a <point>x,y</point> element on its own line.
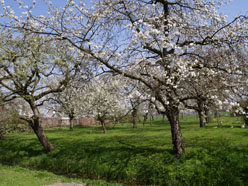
<point>215,156</point>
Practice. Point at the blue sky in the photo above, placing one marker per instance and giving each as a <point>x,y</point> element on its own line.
<point>232,9</point>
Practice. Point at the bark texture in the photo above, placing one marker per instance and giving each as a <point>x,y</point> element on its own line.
<point>173,117</point>
<point>71,116</point>
<point>134,117</point>
<point>38,130</point>
<point>201,118</point>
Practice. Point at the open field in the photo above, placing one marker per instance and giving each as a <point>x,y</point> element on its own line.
<point>143,156</point>
<point>18,176</point>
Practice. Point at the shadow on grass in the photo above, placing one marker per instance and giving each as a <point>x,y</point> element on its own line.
<point>135,156</point>
<point>106,156</point>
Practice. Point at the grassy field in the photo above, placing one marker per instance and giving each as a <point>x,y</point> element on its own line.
<point>18,176</point>
<point>143,156</point>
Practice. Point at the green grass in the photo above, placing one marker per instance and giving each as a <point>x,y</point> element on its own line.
<point>143,156</point>
<point>18,176</point>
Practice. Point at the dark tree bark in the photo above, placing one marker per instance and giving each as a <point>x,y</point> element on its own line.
<point>102,122</point>
<point>246,111</point>
<point>71,116</point>
<point>103,127</point>
<point>200,110</point>
<point>173,117</point>
<point>38,130</point>
<point>172,113</point>
<point>134,117</point>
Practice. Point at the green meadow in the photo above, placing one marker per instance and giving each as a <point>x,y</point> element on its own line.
<point>127,156</point>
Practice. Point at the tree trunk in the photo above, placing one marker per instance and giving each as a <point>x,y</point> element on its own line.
<point>208,116</point>
<point>38,130</point>
<point>102,119</point>
<point>201,118</point>
<point>173,117</point>
<point>200,111</point>
<point>134,117</point>
<point>104,127</point>
<point>71,122</point>
<point>145,118</point>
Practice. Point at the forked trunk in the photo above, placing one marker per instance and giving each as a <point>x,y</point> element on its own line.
<point>38,130</point>
<point>173,117</point>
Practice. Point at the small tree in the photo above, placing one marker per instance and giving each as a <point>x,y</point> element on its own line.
<point>28,61</point>
<point>102,99</point>
<point>67,102</point>
<point>135,99</point>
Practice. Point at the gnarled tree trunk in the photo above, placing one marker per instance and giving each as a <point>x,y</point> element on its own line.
<point>173,117</point>
<point>172,113</point>
<point>38,130</point>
